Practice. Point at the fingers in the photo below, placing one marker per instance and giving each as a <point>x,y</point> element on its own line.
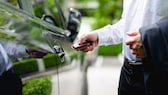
<point>138,52</point>
<point>82,39</point>
<point>130,42</point>
<point>91,38</point>
<point>132,33</point>
<point>86,48</point>
<point>135,44</point>
<point>133,40</point>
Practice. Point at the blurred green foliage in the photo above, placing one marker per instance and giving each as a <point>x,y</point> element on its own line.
<point>38,86</point>
<point>83,1</point>
<point>76,54</point>
<point>52,60</point>
<point>39,10</point>
<point>36,34</point>
<point>111,50</point>
<point>53,10</point>
<point>25,66</point>
<point>3,19</point>
<point>108,12</point>
<point>14,2</point>
<point>73,55</point>
<point>5,37</point>
<point>29,65</point>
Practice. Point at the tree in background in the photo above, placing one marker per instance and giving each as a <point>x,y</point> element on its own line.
<point>108,12</point>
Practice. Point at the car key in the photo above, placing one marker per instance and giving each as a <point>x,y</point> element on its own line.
<point>77,46</point>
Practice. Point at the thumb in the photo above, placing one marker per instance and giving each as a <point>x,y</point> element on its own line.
<point>130,42</point>
<point>83,39</point>
<point>132,33</point>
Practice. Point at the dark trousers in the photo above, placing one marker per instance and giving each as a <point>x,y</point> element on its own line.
<point>10,84</point>
<point>131,80</point>
<point>142,80</point>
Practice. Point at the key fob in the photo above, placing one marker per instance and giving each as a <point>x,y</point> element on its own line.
<point>77,46</point>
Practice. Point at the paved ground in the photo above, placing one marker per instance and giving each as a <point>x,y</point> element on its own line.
<point>68,82</point>
<point>102,78</point>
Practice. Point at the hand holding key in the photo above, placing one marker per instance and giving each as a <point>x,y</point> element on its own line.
<point>86,42</point>
<point>82,46</point>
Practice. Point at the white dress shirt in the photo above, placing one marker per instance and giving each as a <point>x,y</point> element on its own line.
<point>10,49</point>
<point>136,14</point>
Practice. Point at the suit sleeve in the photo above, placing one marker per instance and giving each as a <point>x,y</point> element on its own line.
<point>155,43</point>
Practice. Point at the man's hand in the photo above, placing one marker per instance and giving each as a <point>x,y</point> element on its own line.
<point>135,44</point>
<point>87,42</point>
<point>36,53</point>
